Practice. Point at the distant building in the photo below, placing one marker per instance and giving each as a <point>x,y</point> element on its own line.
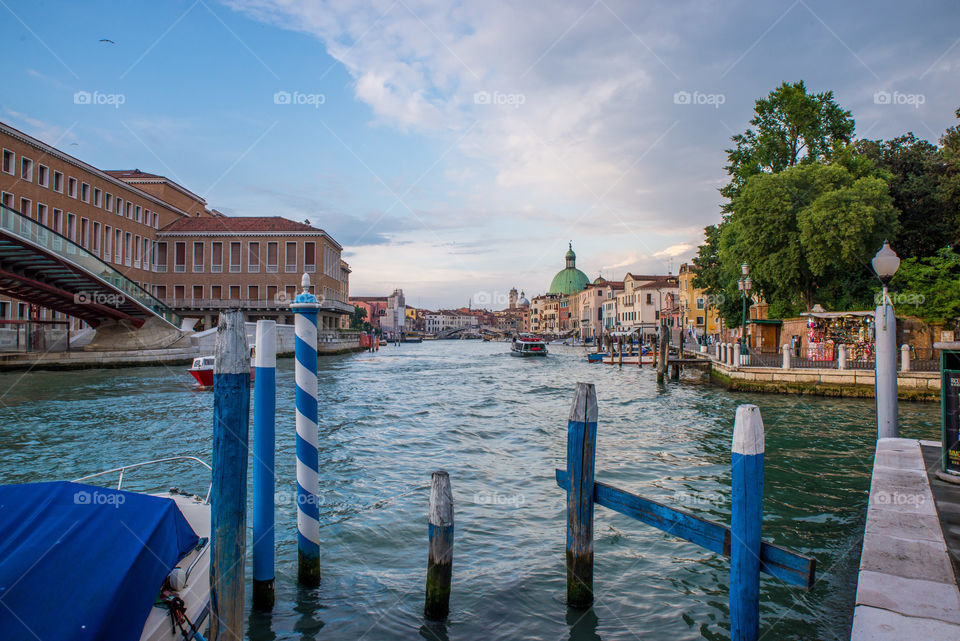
<point>394,320</point>
<point>569,280</point>
<point>446,320</point>
<point>376,307</point>
<point>697,310</point>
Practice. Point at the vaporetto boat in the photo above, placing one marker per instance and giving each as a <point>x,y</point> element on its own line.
<point>528,345</point>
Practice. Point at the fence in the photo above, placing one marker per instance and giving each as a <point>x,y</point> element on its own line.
<point>828,357</point>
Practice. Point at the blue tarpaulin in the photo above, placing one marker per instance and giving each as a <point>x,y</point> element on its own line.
<point>79,562</point>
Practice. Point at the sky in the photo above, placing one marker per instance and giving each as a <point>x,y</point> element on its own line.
<point>454,149</point>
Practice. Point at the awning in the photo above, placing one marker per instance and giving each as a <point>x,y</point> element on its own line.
<point>79,562</point>
<point>836,314</point>
<point>765,321</point>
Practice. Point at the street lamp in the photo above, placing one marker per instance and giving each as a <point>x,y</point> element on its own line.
<point>885,264</point>
<point>744,284</point>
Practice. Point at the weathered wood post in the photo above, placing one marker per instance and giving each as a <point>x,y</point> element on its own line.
<point>264,431</point>
<point>786,356</point>
<point>305,308</point>
<point>904,358</point>
<point>663,352</point>
<point>581,455</point>
<point>228,513</point>
<point>440,559</point>
<point>746,517</point>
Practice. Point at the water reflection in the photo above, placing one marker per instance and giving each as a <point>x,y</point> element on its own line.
<point>434,631</point>
<point>583,624</point>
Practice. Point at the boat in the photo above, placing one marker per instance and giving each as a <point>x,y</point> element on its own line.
<point>202,370</point>
<point>411,337</point>
<point>528,345</point>
<point>119,564</point>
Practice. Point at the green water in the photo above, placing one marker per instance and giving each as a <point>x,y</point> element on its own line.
<point>498,425</point>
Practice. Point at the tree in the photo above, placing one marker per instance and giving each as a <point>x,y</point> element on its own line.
<point>357,318</point>
<point>932,285</point>
<point>792,127</point>
<point>916,171</point>
<point>708,277</point>
<point>804,231</point>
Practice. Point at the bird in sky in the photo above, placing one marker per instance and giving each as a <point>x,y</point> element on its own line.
<point>107,40</point>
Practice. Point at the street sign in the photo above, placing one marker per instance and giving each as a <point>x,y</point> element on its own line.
<point>950,406</point>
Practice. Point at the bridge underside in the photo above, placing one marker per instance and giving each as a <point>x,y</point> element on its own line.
<point>34,276</point>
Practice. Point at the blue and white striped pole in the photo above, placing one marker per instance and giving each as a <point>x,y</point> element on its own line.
<point>746,518</point>
<point>264,429</point>
<point>305,308</point>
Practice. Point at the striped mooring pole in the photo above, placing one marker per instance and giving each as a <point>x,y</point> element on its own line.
<point>228,510</point>
<point>746,518</point>
<point>264,430</point>
<point>305,308</point>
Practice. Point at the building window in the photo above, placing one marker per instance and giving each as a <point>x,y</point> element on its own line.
<point>26,207</point>
<point>216,292</point>
<point>72,187</point>
<point>57,181</point>
<point>108,202</point>
<point>26,169</point>
<point>97,197</point>
<point>156,220</point>
<point>146,215</point>
<point>57,221</point>
<point>146,253</point>
<point>43,175</point>
<point>310,257</point>
<point>178,292</point>
<point>85,192</point>
<point>119,207</point>
<point>179,257</point>
<point>198,257</point>
<point>197,292</point>
<point>95,244</point>
<point>253,257</point>
<point>291,258</point>
<point>160,265</point>
<point>273,257</point>
<point>253,292</point>
<point>136,251</point>
<point>7,200</point>
<point>216,257</point>
<point>649,299</point>
<point>9,158</point>
<point>127,249</point>
<point>139,213</point>
<point>699,320</point>
<point>84,233</point>
<point>118,246</point>
<point>234,258</point>
<point>234,292</point>
<point>107,242</point>
<point>699,303</point>
<point>129,210</point>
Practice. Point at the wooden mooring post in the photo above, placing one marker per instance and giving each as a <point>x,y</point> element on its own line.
<point>581,451</point>
<point>440,557</point>
<point>662,354</point>
<point>749,554</point>
<point>228,513</point>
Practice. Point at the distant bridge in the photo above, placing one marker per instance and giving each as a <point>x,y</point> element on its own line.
<point>39,266</point>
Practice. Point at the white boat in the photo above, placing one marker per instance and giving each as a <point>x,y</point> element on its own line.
<point>121,564</point>
<point>528,345</point>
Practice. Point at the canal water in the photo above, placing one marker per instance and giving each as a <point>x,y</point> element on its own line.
<point>498,425</point>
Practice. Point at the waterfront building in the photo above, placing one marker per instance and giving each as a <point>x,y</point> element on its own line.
<point>450,319</point>
<point>165,238</point>
<point>511,320</point>
<point>376,307</point>
<point>696,309</point>
<point>394,320</point>
<point>587,306</point>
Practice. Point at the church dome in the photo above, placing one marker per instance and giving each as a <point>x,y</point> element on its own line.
<point>569,280</point>
<point>523,302</point>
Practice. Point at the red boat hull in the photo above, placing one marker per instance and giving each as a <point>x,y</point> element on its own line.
<point>204,377</point>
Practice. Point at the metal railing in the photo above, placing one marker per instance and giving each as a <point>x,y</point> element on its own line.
<point>122,469</point>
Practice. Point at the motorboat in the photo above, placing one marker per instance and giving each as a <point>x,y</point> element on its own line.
<point>528,345</point>
<point>117,564</point>
<point>203,366</point>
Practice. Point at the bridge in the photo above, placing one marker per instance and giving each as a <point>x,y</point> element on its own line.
<point>39,266</point>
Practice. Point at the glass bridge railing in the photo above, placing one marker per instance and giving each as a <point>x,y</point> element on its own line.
<point>30,230</point>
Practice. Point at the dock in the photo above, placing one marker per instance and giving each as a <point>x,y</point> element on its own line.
<point>907,586</point>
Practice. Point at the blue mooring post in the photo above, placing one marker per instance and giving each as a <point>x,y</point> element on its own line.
<point>264,429</point>
<point>581,451</point>
<point>231,417</point>
<point>746,519</point>
<point>305,308</point>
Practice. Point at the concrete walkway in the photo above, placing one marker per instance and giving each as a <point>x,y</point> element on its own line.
<point>907,588</point>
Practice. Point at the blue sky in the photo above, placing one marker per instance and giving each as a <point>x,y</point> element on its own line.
<point>454,149</point>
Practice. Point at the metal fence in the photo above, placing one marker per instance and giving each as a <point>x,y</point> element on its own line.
<point>921,359</point>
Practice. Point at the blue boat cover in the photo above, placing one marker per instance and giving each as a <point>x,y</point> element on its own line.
<point>83,562</point>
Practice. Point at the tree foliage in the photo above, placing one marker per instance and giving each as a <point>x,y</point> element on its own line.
<point>932,285</point>
<point>357,318</point>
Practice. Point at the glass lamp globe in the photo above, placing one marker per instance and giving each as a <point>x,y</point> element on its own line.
<point>886,263</point>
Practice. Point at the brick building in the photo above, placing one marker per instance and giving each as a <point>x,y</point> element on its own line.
<point>163,237</point>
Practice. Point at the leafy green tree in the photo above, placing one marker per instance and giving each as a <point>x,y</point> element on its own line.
<point>804,229</point>
<point>932,283</point>
<point>791,127</point>
<point>709,277</point>
<point>357,318</point>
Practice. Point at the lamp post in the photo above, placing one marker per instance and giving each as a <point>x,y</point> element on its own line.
<point>745,284</point>
<point>885,264</point>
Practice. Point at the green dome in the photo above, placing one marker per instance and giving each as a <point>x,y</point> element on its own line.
<point>569,280</point>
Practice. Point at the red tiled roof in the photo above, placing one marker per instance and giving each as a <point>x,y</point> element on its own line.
<point>134,174</point>
<point>238,224</point>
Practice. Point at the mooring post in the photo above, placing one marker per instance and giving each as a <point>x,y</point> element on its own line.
<point>663,354</point>
<point>904,358</point>
<point>228,522</point>
<point>305,308</point>
<point>885,364</point>
<point>264,430</point>
<point>440,558</point>
<point>786,356</point>
<point>746,517</point>
<point>581,455</point>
